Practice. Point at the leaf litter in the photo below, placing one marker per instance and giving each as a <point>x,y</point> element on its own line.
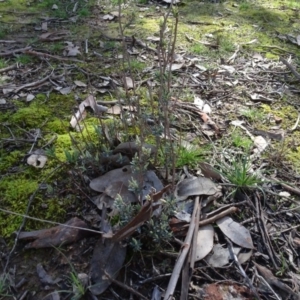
<point>262,229</point>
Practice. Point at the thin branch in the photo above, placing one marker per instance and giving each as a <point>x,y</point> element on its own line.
<point>184,251</point>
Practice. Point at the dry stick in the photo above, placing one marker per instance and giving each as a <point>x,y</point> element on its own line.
<point>9,68</point>
<point>31,84</point>
<point>124,286</point>
<point>158,277</point>
<point>46,55</point>
<point>235,259</point>
<point>266,283</point>
<point>224,207</point>
<point>8,41</point>
<point>296,74</point>
<point>10,53</point>
<point>289,188</point>
<point>285,230</point>
<point>184,251</point>
<point>263,232</point>
<point>190,261</point>
<point>217,217</point>
<point>234,55</point>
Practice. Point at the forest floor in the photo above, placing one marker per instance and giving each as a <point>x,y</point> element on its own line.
<point>159,135</point>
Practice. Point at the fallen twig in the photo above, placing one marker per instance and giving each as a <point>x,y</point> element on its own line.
<point>296,74</point>
<point>235,259</point>
<point>233,56</point>
<point>8,41</point>
<point>9,68</point>
<point>184,251</point>
<point>264,232</point>
<point>202,43</point>
<point>216,217</point>
<point>46,55</point>
<point>9,53</point>
<point>125,287</point>
<point>31,84</point>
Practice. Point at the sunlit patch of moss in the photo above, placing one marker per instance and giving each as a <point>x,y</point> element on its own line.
<point>270,55</point>
<point>32,116</point>
<point>8,160</point>
<point>15,193</point>
<point>287,113</point>
<point>62,144</point>
<point>148,26</point>
<point>294,157</point>
<point>58,126</point>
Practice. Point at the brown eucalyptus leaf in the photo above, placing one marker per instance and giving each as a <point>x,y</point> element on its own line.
<point>108,257</point>
<point>56,236</point>
<point>226,291</point>
<point>195,186</point>
<point>122,175</point>
<point>205,241</point>
<point>235,232</point>
<point>209,172</point>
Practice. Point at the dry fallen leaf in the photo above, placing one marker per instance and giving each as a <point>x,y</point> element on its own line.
<point>90,101</point>
<point>260,143</point>
<point>80,83</point>
<point>71,49</point>
<point>237,233</point>
<point>56,236</point>
<point>175,67</point>
<point>122,175</point>
<point>195,186</point>
<point>29,97</point>
<point>108,258</point>
<point>221,256</point>
<point>108,17</point>
<point>205,241</point>
<point>226,291</point>
<point>129,83</point>
<point>199,102</point>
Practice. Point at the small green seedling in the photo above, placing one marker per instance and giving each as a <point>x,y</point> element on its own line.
<point>238,173</point>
